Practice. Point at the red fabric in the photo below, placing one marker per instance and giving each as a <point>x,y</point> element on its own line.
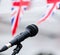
<point>19,4</point>
<point>53,1</point>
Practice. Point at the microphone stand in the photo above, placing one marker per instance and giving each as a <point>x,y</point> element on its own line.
<point>17,49</point>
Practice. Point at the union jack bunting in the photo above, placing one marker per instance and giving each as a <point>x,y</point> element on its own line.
<point>17,10</point>
<point>54,2</point>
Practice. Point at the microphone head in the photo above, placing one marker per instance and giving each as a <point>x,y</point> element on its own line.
<point>33,29</point>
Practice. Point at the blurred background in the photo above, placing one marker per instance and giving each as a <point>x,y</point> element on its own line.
<point>48,38</point>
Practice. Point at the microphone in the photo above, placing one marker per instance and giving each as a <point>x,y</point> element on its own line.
<point>30,31</point>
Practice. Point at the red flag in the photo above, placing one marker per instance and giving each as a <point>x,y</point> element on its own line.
<point>50,11</point>
<point>21,5</point>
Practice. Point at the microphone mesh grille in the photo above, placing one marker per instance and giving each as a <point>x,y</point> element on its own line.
<point>33,29</point>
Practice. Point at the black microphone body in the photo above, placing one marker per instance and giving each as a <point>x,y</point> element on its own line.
<point>30,31</point>
<point>20,38</point>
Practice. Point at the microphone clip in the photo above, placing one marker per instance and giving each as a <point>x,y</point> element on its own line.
<point>17,49</point>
